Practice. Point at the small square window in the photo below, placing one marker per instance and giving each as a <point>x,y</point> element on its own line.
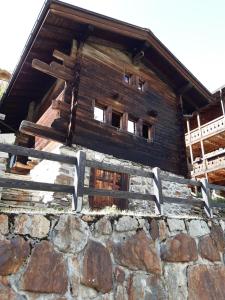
<point>116,119</point>
<point>131,126</point>
<point>147,131</point>
<point>127,78</point>
<point>141,84</point>
<point>99,114</point>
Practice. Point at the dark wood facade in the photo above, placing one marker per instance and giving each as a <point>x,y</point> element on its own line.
<point>93,55</point>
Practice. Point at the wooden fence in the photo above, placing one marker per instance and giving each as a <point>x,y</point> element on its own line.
<point>78,190</point>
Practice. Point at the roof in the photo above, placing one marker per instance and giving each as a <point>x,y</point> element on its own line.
<point>57,24</point>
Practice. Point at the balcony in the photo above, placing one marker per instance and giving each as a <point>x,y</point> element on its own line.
<point>211,128</point>
<point>208,166</point>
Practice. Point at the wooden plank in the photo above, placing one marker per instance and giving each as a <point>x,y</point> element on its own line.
<point>124,121</point>
<point>119,169</point>
<point>79,181</point>
<point>60,68</point>
<point>117,194</point>
<point>18,150</point>
<point>180,180</point>
<point>61,105</point>
<point>68,61</point>
<point>186,201</point>
<point>45,68</point>
<point>206,197</point>
<point>218,205</point>
<point>216,187</point>
<point>34,129</point>
<point>157,187</point>
<point>36,186</point>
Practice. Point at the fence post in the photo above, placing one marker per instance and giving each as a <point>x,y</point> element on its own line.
<point>206,197</point>
<point>157,188</point>
<point>79,181</point>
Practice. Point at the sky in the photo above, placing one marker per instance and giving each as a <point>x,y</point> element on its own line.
<point>193,30</point>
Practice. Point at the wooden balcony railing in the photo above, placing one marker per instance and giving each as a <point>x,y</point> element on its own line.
<point>208,166</point>
<point>205,131</point>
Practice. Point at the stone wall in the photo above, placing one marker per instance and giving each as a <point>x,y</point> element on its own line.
<point>64,257</point>
<point>52,172</point>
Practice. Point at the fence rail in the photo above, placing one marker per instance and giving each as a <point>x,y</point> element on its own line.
<point>79,190</point>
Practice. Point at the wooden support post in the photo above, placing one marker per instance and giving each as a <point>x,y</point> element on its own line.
<point>190,145</point>
<point>157,187</point>
<point>79,181</point>
<point>124,121</point>
<point>206,197</point>
<point>222,106</point>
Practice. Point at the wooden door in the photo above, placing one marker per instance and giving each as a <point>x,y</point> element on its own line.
<point>108,180</point>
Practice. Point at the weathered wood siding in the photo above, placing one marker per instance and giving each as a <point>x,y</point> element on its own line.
<point>101,78</point>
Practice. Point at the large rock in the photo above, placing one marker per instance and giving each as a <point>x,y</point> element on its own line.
<point>74,275</point>
<point>70,234</point>
<point>198,228</point>
<point>4,225</point>
<point>126,223</point>
<point>103,226</point>
<point>176,225</point>
<point>7,293</point>
<point>97,267</point>
<point>218,237</point>
<point>36,226</point>
<point>176,281</point>
<point>180,248</point>
<point>206,282</point>
<point>121,293</point>
<point>208,248</point>
<point>137,253</point>
<point>142,286</point>
<point>154,229</point>
<point>12,255</point>
<point>46,271</point>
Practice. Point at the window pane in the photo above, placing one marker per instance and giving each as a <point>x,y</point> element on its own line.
<point>99,114</point>
<point>131,126</point>
<point>116,117</point>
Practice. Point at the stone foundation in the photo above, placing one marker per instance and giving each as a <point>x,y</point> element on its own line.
<point>53,172</point>
<point>46,257</point>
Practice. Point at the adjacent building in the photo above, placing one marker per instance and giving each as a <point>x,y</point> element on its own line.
<point>205,141</point>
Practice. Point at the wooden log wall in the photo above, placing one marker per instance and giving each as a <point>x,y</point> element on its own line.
<point>102,81</point>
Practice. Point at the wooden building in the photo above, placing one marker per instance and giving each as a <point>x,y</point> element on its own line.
<point>205,141</point>
<point>90,80</point>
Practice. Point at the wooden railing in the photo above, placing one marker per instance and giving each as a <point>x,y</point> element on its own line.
<point>79,190</point>
<point>206,130</point>
<point>208,165</point>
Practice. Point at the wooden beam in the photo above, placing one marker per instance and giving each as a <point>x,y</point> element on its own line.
<point>61,105</point>
<point>36,186</point>
<point>117,194</point>
<point>120,169</point>
<point>67,60</point>
<point>23,151</point>
<point>56,72</point>
<point>184,89</point>
<point>34,129</point>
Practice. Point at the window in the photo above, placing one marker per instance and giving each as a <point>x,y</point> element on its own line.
<point>134,80</point>
<point>101,179</point>
<point>131,126</point>
<point>116,119</point>
<point>127,78</point>
<point>147,131</point>
<point>141,84</point>
<point>99,114</point>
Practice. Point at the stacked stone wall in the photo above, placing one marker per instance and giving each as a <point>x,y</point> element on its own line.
<point>65,257</point>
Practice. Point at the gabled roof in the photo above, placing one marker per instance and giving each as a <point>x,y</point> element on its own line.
<point>58,23</point>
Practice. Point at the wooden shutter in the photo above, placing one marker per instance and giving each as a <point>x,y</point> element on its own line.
<point>102,179</point>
